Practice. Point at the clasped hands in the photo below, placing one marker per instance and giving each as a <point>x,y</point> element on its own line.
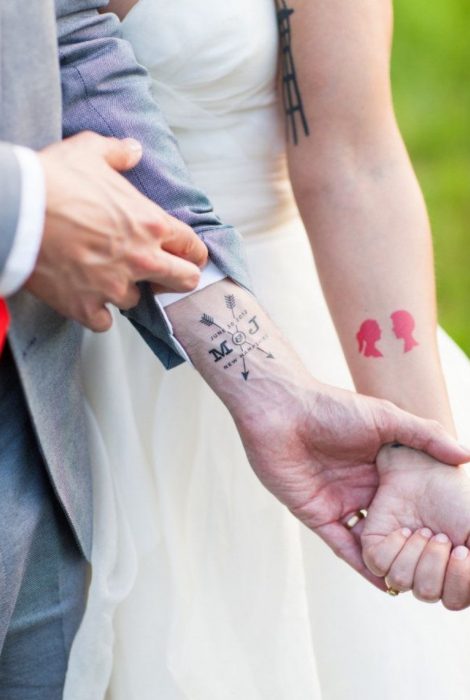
<point>327,453</point>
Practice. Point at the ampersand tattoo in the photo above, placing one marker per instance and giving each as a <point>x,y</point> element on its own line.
<point>240,331</point>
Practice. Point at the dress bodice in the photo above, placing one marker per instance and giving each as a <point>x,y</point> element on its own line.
<point>213,67</point>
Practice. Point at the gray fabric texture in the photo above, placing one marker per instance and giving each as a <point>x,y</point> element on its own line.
<point>10,189</point>
<point>42,571</point>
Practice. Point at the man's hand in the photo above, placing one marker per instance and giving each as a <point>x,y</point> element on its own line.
<point>418,496</point>
<point>316,452</point>
<point>313,446</point>
<point>102,236</point>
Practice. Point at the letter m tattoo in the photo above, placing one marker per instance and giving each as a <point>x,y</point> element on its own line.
<point>222,352</point>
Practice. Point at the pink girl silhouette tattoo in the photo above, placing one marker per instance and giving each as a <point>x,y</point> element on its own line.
<point>368,335</point>
<point>403,327</point>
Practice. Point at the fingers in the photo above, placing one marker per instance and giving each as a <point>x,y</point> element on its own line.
<point>185,243</point>
<point>402,572</point>
<point>346,545</point>
<point>174,274</point>
<point>431,569</point>
<point>125,297</point>
<point>379,553</point>
<point>120,154</point>
<point>423,565</point>
<point>98,321</point>
<point>456,594</point>
<point>430,437</point>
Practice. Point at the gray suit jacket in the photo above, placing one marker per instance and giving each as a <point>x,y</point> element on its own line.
<point>65,69</point>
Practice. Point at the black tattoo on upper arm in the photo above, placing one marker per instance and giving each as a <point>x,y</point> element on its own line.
<point>293,105</point>
<point>239,328</point>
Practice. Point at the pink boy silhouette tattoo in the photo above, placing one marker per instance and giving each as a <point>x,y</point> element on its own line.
<point>368,335</point>
<point>403,327</point>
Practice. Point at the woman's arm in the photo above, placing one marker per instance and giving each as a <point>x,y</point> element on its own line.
<point>359,198</point>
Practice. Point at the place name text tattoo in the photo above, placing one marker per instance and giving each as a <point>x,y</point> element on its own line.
<point>235,338</point>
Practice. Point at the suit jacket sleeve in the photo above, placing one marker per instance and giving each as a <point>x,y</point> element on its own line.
<point>10,199</point>
<point>105,90</point>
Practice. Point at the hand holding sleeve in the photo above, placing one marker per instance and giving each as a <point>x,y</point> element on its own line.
<point>105,90</point>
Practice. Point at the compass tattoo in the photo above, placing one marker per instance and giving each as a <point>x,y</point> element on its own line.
<point>236,338</point>
<point>293,105</point>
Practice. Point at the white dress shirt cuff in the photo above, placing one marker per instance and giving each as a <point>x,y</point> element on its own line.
<point>25,249</point>
<point>209,275</point>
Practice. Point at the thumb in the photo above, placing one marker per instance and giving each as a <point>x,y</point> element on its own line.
<point>429,436</point>
<point>121,154</point>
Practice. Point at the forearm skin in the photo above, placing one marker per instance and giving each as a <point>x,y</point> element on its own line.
<point>370,234</point>
<point>238,350</point>
<point>359,199</point>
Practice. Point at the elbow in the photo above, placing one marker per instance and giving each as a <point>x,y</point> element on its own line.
<point>345,161</point>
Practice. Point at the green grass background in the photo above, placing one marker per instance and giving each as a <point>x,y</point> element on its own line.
<point>431,82</point>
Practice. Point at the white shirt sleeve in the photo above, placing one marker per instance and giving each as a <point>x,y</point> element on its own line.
<point>209,275</point>
<point>25,249</point>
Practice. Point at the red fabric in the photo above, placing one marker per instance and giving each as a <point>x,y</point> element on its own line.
<point>4,323</point>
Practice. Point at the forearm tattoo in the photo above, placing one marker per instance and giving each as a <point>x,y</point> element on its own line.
<point>236,337</point>
<point>370,333</point>
<point>403,328</point>
<point>295,114</point>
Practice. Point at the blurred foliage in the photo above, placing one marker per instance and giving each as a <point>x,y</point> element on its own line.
<point>431,82</point>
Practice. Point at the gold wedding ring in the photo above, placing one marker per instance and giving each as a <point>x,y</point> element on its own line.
<point>392,591</point>
<point>355,519</point>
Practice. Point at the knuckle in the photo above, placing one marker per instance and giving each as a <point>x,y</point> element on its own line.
<point>159,226</point>
<point>142,262</point>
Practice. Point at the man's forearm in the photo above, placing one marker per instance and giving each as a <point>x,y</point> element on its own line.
<point>112,97</point>
<point>236,348</point>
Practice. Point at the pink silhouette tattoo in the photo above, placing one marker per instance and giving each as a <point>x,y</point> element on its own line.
<point>403,327</point>
<point>368,335</point>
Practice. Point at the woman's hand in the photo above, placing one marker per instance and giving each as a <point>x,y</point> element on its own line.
<point>420,512</point>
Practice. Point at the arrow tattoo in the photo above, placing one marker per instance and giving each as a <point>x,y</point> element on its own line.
<point>207,320</point>
<point>245,373</point>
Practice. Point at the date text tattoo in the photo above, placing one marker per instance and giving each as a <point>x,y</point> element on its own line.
<point>235,338</point>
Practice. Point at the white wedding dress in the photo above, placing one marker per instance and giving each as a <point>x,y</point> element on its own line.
<point>204,587</point>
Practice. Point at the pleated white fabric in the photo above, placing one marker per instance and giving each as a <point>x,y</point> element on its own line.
<point>204,587</point>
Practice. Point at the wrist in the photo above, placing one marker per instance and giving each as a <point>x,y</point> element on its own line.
<point>239,352</point>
